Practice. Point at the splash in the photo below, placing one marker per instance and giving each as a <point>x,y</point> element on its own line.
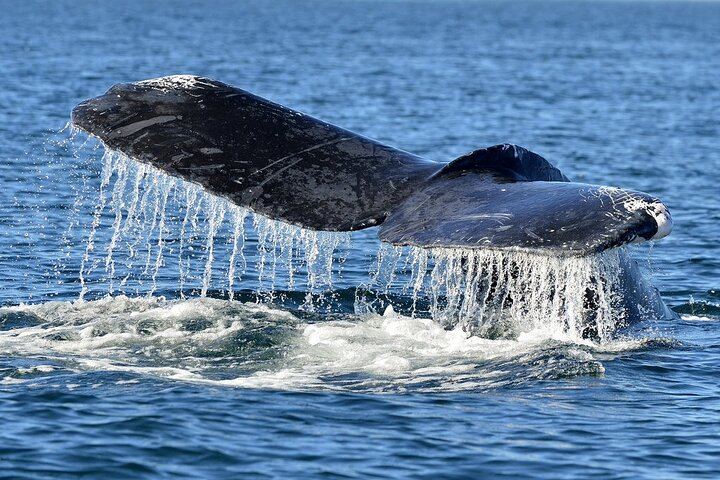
<point>485,291</point>
<point>500,294</point>
<point>230,343</point>
<point>165,231</point>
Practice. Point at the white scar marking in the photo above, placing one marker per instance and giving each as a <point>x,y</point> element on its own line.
<point>175,81</point>
<point>499,217</point>
<point>137,126</point>
<point>291,164</point>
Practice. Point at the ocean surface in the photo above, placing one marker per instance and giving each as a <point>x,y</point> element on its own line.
<point>149,331</point>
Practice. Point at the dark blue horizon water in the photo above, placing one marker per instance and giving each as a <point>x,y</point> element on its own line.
<point>172,385</point>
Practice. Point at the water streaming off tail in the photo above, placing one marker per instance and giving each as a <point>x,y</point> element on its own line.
<point>160,231</point>
<point>485,290</point>
<point>502,294</point>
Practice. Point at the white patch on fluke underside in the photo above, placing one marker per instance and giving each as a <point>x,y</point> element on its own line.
<point>632,203</point>
<point>657,210</point>
<point>662,218</point>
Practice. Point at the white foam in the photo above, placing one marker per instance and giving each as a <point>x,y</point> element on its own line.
<point>698,318</point>
<point>125,328</point>
<point>368,352</point>
<point>395,352</point>
<point>35,369</point>
<point>11,381</point>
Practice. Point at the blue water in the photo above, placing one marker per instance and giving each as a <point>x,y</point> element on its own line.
<point>276,384</point>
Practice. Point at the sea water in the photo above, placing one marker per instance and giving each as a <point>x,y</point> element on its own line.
<point>149,330</point>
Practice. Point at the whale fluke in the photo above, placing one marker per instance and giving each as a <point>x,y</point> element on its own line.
<point>292,167</point>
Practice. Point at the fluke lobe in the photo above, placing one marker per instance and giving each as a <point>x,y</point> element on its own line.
<point>292,167</point>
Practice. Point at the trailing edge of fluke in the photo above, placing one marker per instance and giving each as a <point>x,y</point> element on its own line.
<point>292,167</point>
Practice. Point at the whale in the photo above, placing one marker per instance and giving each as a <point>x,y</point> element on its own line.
<point>289,166</point>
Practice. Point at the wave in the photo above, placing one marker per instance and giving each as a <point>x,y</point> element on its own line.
<point>698,308</point>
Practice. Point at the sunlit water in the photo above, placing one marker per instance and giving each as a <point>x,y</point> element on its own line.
<point>149,330</point>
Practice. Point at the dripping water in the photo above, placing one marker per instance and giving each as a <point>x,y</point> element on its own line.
<point>162,228</point>
<point>501,294</point>
<point>166,231</point>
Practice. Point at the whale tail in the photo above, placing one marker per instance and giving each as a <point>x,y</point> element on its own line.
<point>292,167</point>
